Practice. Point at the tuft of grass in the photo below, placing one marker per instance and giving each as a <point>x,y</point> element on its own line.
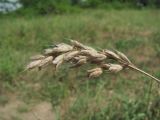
<point>3,100</point>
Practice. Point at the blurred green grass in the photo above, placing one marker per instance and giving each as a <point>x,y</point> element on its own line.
<point>123,96</point>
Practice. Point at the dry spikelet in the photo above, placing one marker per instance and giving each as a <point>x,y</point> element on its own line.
<point>62,48</point>
<point>58,60</point>
<point>80,57</point>
<point>37,57</point>
<point>58,64</point>
<point>70,55</point>
<point>93,55</point>
<point>80,62</point>
<point>98,57</point>
<point>88,52</point>
<point>123,56</point>
<point>45,61</point>
<point>96,72</point>
<point>115,68</point>
<point>33,64</point>
<point>48,51</point>
<point>111,54</point>
<point>105,66</point>
<point>80,45</point>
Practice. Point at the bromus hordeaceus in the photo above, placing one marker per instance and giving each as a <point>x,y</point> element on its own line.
<point>78,54</point>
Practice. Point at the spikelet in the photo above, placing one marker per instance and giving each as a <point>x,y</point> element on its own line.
<point>81,61</point>
<point>45,61</point>
<point>96,72</point>
<point>93,55</point>
<point>80,57</point>
<point>70,55</point>
<point>111,54</point>
<point>58,60</point>
<point>48,51</point>
<point>98,57</point>
<point>37,57</point>
<point>62,48</point>
<point>81,46</point>
<point>58,64</point>
<point>33,64</point>
<point>105,66</point>
<point>115,68</point>
<point>123,57</point>
<point>88,52</point>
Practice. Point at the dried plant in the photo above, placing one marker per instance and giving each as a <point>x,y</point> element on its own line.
<point>78,54</point>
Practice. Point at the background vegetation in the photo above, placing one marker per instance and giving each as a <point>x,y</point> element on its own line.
<point>124,96</point>
<point>42,7</point>
<point>63,6</point>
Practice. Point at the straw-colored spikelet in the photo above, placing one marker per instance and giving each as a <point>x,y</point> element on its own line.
<point>94,56</point>
<point>79,61</point>
<point>45,61</point>
<point>62,48</point>
<point>59,48</point>
<point>88,52</point>
<point>98,57</point>
<point>111,54</point>
<point>48,51</point>
<point>105,66</point>
<point>81,46</point>
<point>80,57</point>
<point>58,60</point>
<point>115,68</point>
<point>96,72</point>
<point>37,57</point>
<point>33,64</point>
<point>70,55</point>
<point>123,56</point>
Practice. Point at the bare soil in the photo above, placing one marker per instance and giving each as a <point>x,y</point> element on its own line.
<point>18,110</point>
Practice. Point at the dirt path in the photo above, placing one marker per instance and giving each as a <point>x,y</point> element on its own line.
<point>17,110</point>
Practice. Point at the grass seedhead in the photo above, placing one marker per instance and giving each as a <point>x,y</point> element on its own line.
<point>78,54</point>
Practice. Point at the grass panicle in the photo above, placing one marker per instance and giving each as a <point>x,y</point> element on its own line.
<point>78,54</point>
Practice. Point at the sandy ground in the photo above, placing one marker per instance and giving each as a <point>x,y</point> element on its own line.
<point>17,110</point>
